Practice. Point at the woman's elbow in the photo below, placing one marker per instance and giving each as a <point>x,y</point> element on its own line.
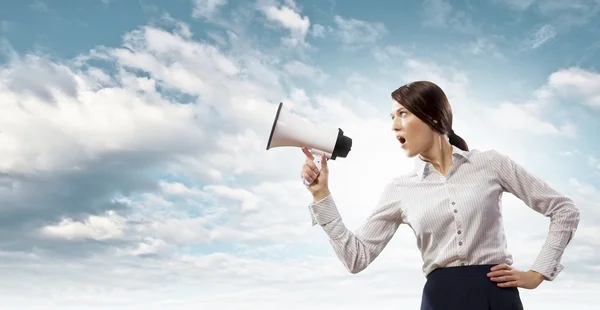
<point>571,208</point>
<point>575,214</point>
<point>356,268</point>
<point>569,211</point>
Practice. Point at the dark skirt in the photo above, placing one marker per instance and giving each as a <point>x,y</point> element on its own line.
<point>467,288</point>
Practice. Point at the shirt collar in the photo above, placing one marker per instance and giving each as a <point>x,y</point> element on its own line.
<point>421,165</point>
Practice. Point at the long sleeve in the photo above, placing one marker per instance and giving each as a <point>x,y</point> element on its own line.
<point>358,249</point>
<point>539,196</point>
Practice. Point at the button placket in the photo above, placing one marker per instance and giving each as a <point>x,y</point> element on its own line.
<point>457,220</point>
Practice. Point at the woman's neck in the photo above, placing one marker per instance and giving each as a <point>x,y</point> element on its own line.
<point>439,155</point>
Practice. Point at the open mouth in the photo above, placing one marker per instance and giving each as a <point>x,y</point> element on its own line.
<point>402,140</point>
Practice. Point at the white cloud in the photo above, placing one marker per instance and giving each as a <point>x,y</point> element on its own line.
<point>230,282</point>
<point>542,36</point>
<point>454,81</point>
<point>247,199</point>
<point>217,221</point>
<point>527,118</point>
<point>288,17</point>
<point>149,246</point>
<point>300,69</point>
<point>179,189</point>
<point>441,14</point>
<point>389,53</point>
<point>318,31</point>
<point>351,32</point>
<point>586,190</point>
<point>581,85</point>
<point>594,162</point>
<point>488,124</point>
<point>95,227</point>
<point>563,13</point>
<point>207,8</point>
<point>84,120</point>
<point>483,46</point>
<point>564,87</point>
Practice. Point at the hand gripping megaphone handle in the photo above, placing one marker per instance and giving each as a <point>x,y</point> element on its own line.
<point>317,160</point>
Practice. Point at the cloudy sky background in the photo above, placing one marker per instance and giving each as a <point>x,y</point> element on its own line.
<point>133,170</point>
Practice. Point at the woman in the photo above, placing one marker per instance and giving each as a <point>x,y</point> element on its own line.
<point>452,202</point>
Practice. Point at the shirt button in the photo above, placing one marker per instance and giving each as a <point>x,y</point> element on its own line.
<point>462,264</point>
<point>458,232</point>
<point>455,211</point>
<point>460,243</point>
<point>453,203</point>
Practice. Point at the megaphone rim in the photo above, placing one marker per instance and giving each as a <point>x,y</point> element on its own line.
<point>274,125</point>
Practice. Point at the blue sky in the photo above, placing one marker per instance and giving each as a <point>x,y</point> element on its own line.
<point>133,169</point>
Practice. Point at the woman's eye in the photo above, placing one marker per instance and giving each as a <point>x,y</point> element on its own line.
<point>401,114</point>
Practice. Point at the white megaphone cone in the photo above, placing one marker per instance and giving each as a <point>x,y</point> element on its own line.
<point>290,130</point>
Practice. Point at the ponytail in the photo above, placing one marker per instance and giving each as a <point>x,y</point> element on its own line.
<point>457,141</point>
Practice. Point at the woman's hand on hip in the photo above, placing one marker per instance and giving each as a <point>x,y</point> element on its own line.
<point>508,276</point>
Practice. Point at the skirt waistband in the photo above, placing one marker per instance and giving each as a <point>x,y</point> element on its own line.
<point>460,271</point>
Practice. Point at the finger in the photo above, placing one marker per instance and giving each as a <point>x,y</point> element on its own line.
<point>310,166</point>
<point>324,165</point>
<point>307,153</point>
<point>500,266</point>
<point>498,273</point>
<point>309,173</point>
<point>509,284</point>
<point>310,180</point>
<point>504,279</point>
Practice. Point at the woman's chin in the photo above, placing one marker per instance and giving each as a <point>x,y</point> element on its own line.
<point>408,153</point>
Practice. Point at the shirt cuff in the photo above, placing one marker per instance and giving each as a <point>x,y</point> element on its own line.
<point>323,211</point>
<point>548,263</point>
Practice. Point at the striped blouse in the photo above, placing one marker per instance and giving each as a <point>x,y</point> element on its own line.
<point>456,218</point>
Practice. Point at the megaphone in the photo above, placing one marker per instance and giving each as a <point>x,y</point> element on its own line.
<point>289,130</point>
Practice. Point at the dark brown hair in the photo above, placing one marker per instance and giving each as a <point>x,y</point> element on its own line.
<point>429,103</point>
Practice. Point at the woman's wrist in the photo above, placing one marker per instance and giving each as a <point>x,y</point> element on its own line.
<point>321,194</point>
